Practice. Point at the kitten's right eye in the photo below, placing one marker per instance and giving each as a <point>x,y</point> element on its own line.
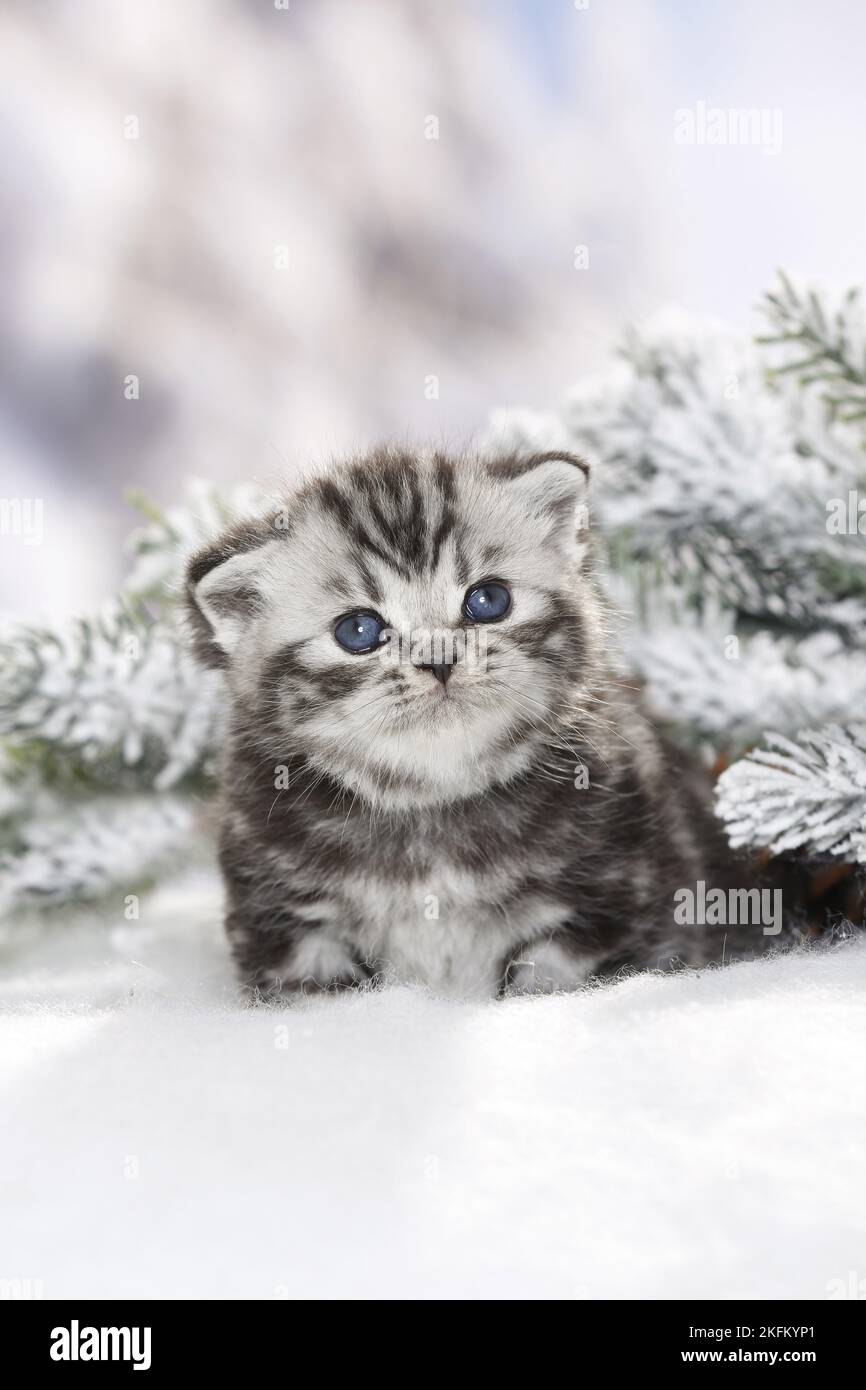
<point>360,632</point>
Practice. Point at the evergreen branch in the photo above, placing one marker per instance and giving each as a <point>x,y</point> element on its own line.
<point>83,850</point>
<point>806,795</point>
<point>113,701</point>
<point>707,682</point>
<point>161,548</point>
<point>835,343</point>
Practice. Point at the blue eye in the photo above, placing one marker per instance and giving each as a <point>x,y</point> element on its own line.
<point>487,603</point>
<point>359,632</point>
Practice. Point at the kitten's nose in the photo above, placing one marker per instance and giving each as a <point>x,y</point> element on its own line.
<point>441,670</point>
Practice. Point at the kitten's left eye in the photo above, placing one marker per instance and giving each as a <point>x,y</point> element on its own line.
<point>359,632</point>
<point>487,603</point>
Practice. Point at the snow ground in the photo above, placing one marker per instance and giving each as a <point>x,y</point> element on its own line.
<point>669,1137</point>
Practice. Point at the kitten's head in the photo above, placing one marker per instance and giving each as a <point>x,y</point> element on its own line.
<point>412,625</point>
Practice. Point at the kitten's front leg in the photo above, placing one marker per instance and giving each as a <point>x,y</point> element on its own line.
<point>283,953</point>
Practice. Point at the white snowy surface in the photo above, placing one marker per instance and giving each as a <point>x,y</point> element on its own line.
<point>694,1136</point>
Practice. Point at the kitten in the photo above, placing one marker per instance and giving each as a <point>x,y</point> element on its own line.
<point>431,773</point>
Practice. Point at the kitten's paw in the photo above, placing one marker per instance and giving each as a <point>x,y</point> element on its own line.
<point>545,967</point>
<point>316,964</point>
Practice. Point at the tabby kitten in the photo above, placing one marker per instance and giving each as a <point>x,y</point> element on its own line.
<point>431,773</point>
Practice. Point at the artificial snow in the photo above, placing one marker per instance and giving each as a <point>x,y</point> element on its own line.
<point>699,1135</point>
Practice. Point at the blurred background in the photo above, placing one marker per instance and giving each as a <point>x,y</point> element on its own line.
<point>239,236</point>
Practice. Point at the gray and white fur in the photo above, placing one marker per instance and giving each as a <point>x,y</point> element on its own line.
<point>517,826</point>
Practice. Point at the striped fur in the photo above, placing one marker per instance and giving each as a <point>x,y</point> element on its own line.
<point>523,828</point>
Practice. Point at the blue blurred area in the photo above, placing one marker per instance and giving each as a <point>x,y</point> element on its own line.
<point>544,44</point>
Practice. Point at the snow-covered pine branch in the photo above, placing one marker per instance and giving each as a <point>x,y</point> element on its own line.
<point>707,477</point>
<point>808,794</point>
<point>80,849</point>
<point>820,345</point>
<point>115,701</point>
<point>166,539</point>
<point>709,683</point>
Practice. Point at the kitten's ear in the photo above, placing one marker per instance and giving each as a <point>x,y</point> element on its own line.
<point>554,485</point>
<point>223,588</point>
